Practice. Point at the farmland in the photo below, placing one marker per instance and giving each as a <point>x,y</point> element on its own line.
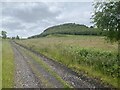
<point>91,55</point>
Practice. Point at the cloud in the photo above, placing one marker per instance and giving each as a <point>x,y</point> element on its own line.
<point>47,0</point>
<point>26,19</point>
<point>28,12</point>
<point>13,25</point>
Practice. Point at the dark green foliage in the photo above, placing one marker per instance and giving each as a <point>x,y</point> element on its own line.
<point>17,37</point>
<point>4,34</point>
<point>91,27</point>
<point>103,61</point>
<point>71,29</point>
<point>107,17</point>
<point>13,37</point>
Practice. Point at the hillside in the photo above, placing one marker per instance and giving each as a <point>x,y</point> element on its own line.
<point>71,29</point>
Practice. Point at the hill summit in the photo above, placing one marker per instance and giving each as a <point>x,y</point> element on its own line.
<point>70,29</point>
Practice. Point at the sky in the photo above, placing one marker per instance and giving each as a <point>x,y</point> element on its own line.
<point>30,18</point>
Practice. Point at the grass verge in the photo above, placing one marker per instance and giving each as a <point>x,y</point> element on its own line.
<point>7,65</point>
<point>90,72</point>
<point>0,63</point>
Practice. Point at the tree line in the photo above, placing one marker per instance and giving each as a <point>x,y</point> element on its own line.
<point>71,29</point>
<point>4,36</point>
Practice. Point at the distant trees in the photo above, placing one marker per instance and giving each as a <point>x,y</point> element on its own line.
<point>13,37</point>
<point>4,34</point>
<point>17,37</point>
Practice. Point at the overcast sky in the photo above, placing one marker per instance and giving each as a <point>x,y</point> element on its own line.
<point>26,19</point>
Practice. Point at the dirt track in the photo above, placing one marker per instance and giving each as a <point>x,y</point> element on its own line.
<point>26,76</point>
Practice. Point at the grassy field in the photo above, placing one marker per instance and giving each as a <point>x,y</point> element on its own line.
<point>92,55</point>
<point>0,63</point>
<point>7,65</point>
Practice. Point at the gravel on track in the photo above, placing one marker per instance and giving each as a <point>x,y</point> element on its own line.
<point>24,77</point>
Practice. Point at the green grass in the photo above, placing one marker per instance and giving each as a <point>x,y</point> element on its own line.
<point>44,65</point>
<point>44,81</point>
<point>90,54</point>
<point>0,64</point>
<point>7,65</point>
<point>92,42</point>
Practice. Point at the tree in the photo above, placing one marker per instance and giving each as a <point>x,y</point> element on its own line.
<point>91,27</point>
<point>17,37</point>
<point>107,17</point>
<point>4,34</point>
<point>13,37</point>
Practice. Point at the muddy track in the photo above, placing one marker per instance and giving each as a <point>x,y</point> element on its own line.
<point>71,77</point>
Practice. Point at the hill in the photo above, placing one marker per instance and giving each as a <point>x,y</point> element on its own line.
<point>71,29</point>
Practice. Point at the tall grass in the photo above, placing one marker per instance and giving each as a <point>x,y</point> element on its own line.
<point>7,65</point>
<point>0,63</point>
<point>91,55</point>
